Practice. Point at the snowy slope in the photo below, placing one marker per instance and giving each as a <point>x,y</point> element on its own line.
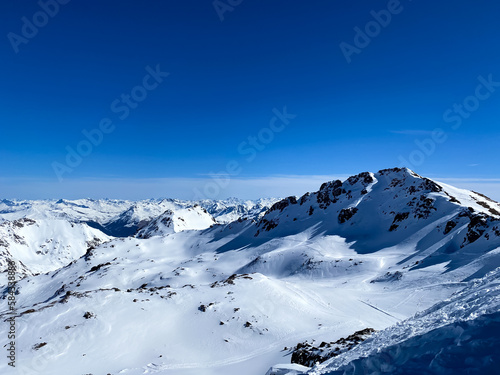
<point>369,252</point>
<point>47,235</point>
<point>45,245</point>
<point>460,335</point>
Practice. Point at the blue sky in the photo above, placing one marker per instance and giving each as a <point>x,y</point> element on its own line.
<point>419,68</point>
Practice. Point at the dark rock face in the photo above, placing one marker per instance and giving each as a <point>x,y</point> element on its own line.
<point>384,172</point>
<point>487,206</point>
<point>267,225</point>
<point>396,182</point>
<point>20,223</point>
<point>230,280</point>
<point>424,207</point>
<point>282,204</point>
<point>204,308</point>
<point>304,198</point>
<point>496,231</point>
<point>431,185</point>
<point>89,315</point>
<point>449,226</point>
<point>308,355</point>
<point>329,193</point>
<point>401,216</point>
<point>393,227</point>
<point>346,214</point>
<point>365,177</point>
<point>477,226</point>
<point>98,267</point>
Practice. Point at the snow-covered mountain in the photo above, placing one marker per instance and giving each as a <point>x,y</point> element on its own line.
<point>395,207</point>
<point>120,218</point>
<point>45,245</point>
<point>182,219</point>
<point>80,210</point>
<point>45,235</point>
<point>232,209</point>
<point>378,252</point>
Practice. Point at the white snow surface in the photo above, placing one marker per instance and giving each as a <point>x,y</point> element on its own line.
<point>389,250</point>
<point>460,335</point>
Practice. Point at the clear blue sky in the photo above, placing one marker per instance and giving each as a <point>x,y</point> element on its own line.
<point>225,79</point>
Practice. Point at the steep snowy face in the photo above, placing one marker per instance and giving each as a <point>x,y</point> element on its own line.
<point>45,245</point>
<point>388,201</point>
<point>179,220</point>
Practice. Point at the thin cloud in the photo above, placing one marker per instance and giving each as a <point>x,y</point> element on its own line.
<point>185,188</point>
<point>175,187</point>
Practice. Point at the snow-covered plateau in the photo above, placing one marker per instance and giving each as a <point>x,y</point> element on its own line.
<point>386,272</point>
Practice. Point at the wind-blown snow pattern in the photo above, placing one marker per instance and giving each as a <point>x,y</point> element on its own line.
<point>175,287</point>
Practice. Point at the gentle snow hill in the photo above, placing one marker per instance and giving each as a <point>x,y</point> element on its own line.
<point>369,252</point>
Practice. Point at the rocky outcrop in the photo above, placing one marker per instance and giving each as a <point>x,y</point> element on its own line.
<point>308,354</point>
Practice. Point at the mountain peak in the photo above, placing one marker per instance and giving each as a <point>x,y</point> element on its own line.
<point>377,210</point>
